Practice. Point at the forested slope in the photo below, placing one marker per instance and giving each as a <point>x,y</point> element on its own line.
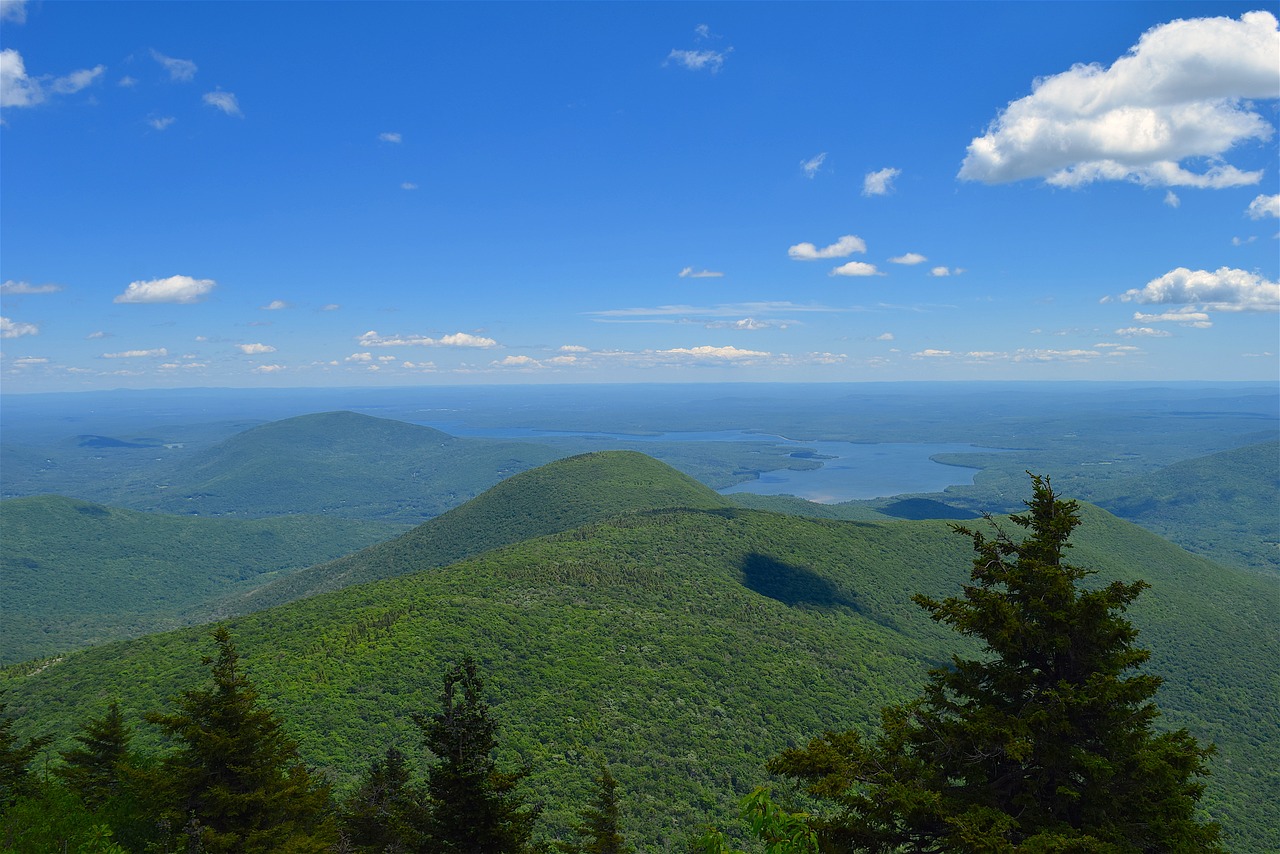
<point>685,647</point>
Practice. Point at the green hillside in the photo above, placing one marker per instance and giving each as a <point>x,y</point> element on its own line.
<point>75,574</point>
<point>1223,506</point>
<point>685,647</point>
<point>556,497</point>
<point>341,464</point>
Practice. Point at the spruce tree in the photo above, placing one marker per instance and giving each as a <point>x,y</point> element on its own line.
<point>600,831</point>
<point>474,807</point>
<point>236,778</point>
<point>15,777</point>
<point>99,769</point>
<point>1045,743</point>
<point>388,812</point>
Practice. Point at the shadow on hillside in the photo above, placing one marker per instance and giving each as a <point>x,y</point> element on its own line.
<point>791,585</point>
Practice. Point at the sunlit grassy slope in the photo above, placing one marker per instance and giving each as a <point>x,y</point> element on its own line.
<point>685,647</point>
<point>74,574</point>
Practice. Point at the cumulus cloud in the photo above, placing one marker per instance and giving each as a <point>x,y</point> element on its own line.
<point>13,329</point>
<point>811,166</point>
<point>390,137</point>
<point>182,70</point>
<point>842,248</point>
<point>690,273</point>
<point>13,10</point>
<point>1264,206</point>
<point>1224,289</point>
<point>359,357</point>
<point>1180,93</point>
<point>699,60</point>
<point>856,268</point>
<point>911,258</point>
<point>879,183</point>
<point>572,348</point>
<point>18,89</point>
<point>158,352</point>
<point>944,271</point>
<point>1187,316</point>
<point>255,349</point>
<point>1142,332</point>
<point>885,336</point>
<point>225,101</point>
<point>1171,199</point>
<point>12,288</point>
<point>456,339</point>
<point>517,362</point>
<point>268,369</point>
<point>179,289</point>
<point>275,305</point>
<point>726,354</point>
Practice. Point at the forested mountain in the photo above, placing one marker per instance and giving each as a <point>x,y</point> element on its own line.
<point>549,499</point>
<point>685,647</point>
<point>1222,506</point>
<point>74,574</point>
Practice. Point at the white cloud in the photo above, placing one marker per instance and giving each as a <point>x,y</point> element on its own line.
<point>94,336</point>
<point>842,248</point>
<point>573,348</point>
<point>1171,199</point>
<point>727,354</point>
<point>12,288</point>
<point>127,82</point>
<point>1224,289</point>
<point>13,329</point>
<point>517,362</point>
<point>18,89</point>
<point>1016,356</point>
<point>456,339</point>
<point>275,305</point>
<point>811,166</point>
<point>359,357</point>
<point>941,271</point>
<point>699,60</point>
<point>333,306</point>
<point>1187,316</point>
<point>746,324</point>
<point>1142,332</point>
<point>13,10</point>
<point>179,289</point>
<point>225,101</point>
<point>879,183</point>
<point>255,349</point>
<point>1243,241</point>
<point>137,354</point>
<point>885,336</point>
<point>703,31</point>
<point>1264,206</point>
<point>268,369</point>
<point>690,273</point>
<point>910,258</point>
<point>390,137</point>
<point>1182,92</point>
<point>161,122</point>
<point>856,268</point>
<point>179,69</point>
<point>408,185</point>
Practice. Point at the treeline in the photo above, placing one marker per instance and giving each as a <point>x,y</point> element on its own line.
<point>233,782</point>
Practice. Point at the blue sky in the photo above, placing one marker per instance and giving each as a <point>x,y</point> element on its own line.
<point>310,194</point>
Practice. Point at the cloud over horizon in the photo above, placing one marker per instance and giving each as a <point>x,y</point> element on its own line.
<point>176,289</point>
<point>842,248</point>
<point>1224,289</point>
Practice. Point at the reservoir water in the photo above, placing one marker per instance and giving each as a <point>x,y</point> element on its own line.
<point>849,471</point>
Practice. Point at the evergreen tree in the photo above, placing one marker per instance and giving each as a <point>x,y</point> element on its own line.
<point>1043,744</point>
<point>474,807</point>
<point>99,769</point>
<point>15,778</point>
<point>601,826</point>
<point>387,813</point>
<point>236,775</point>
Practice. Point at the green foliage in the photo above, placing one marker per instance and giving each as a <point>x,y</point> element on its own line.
<point>1044,743</point>
<point>74,574</point>
<point>387,812</point>
<point>600,829</point>
<point>637,638</point>
<point>552,498</point>
<point>235,772</point>
<point>100,768</point>
<point>1222,506</point>
<point>474,807</point>
<point>780,831</point>
<point>15,759</point>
